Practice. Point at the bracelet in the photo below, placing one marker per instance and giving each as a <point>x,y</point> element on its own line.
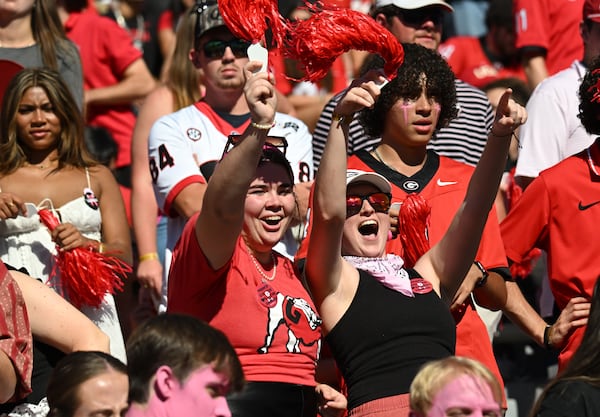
<point>484,274</point>
<point>148,256</point>
<point>546,338</point>
<point>96,246</point>
<point>266,126</point>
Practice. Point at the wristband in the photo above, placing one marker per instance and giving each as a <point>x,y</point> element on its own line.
<point>148,256</point>
<point>484,274</point>
<point>266,126</point>
<point>546,338</point>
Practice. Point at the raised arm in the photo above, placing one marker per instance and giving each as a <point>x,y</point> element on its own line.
<point>324,265</point>
<point>220,221</point>
<point>453,255</point>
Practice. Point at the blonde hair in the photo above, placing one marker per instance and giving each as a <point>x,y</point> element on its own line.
<point>436,374</point>
<point>183,76</point>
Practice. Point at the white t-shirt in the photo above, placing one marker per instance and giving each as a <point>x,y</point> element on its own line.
<point>553,131</point>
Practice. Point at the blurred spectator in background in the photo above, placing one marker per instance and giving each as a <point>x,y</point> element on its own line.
<point>182,88</point>
<point>547,36</point>
<point>114,73</point>
<point>493,55</point>
<point>554,131</point>
<point>32,35</point>
<point>140,19</point>
<point>168,23</point>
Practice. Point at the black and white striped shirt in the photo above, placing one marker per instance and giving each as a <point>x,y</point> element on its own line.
<point>462,140</point>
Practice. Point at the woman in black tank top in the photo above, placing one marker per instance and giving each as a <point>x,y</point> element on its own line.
<point>382,323</point>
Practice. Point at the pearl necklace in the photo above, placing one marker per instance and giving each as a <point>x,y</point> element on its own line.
<point>260,269</point>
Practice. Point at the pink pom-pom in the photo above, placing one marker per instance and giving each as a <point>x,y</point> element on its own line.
<point>316,42</point>
<point>86,276</point>
<point>250,19</point>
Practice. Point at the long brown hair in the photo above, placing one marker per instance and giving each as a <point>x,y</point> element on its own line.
<point>71,148</point>
<point>183,78</point>
<point>48,32</point>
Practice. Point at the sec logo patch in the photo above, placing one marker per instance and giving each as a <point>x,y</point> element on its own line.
<point>194,134</point>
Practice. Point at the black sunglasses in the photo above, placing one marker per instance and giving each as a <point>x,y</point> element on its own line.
<point>215,49</point>
<point>271,142</point>
<point>417,17</point>
<point>380,202</point>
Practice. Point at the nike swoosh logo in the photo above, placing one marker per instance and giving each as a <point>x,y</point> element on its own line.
<point>444,183</point>
<point>587,206</point>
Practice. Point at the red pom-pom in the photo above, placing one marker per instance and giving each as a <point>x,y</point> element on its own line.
<point>317,42</point>
<point>250,19</point>
<point>413,224</point>
<point>85,275</point>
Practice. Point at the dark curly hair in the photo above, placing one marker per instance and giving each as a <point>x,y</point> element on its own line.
<point>418,61</point>
<point>589,99</point>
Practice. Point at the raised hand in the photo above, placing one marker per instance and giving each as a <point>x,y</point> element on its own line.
<point>509,116</point>
<point>362,94</point>
<point>259,91</point>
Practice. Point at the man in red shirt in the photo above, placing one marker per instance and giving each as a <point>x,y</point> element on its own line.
<point>547,36</point>
<point>559,213</point>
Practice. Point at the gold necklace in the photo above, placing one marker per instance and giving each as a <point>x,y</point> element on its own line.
<point>380,159</point>
<point>41,166</point>
<point>260,269</point>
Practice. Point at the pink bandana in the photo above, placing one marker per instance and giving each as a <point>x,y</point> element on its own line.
<point>388,270</point>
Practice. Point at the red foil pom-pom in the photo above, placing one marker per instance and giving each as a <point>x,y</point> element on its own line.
<point>250,19</point>
<point>85,275</point>
<point>316,42</point>
<point>413,225</point>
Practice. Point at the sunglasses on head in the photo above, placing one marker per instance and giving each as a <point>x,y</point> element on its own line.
<point>419,16</point>
<point>271,142</point>
<point>380,202</point>
<point>215,49</point>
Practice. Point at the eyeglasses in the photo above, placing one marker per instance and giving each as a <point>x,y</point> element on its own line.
<point>379,201</point>
<point>271,142</point>
<point>216,48</point>
<point>417,17</point>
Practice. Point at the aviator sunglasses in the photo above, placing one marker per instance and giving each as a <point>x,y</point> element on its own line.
<point>380,202</point>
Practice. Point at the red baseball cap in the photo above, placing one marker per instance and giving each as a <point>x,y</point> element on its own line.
<point>591,10</point>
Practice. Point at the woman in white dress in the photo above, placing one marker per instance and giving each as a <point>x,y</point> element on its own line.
<point>44,164</point>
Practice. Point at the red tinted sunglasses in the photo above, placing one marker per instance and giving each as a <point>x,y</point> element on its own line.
<point>379,201</point>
